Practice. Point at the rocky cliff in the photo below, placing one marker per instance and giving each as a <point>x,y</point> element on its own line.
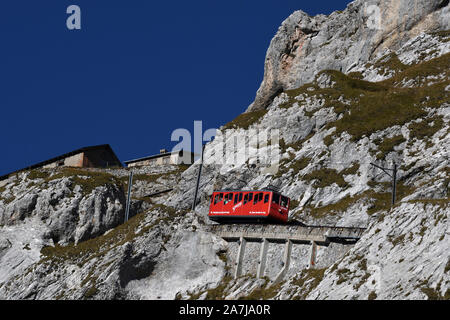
<point>344,40</point>
<point>342,96</point>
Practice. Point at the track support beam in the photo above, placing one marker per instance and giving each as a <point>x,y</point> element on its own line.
<point>240,257</point>
<point>286,261</point>
<point>312,259</point>
<point>262,258</point>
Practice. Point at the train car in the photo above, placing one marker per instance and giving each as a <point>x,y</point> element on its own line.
<point>249,206</point>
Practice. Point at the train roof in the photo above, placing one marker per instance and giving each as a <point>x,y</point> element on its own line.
<point>258,190</point>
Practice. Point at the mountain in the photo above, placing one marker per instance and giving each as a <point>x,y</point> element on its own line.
<point>343,92</point>
<point>344,41</point>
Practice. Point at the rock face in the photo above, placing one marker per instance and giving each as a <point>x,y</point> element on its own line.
<point>304,45</point>
<point>62,234</point>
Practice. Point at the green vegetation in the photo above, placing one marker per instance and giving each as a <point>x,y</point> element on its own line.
<point>355,75</point>
<point>331,209</point>
<point>308,280</point>
<point>325,177</point>
<point>388,63</point>
<point>351,170</point>
<point>245,120</point>
<point>89,250</point>
<point>264,292</point>
<point>215,293</point>
<point>382,199</point>
<point>425,129</point>
<point>444,36</point>
<point>92,291</point>
<point>377,106</point>
<point>379,200</point>
<point>343,275</point>
<point>87,179</point>
<point>296,165</point>
<point>433,293</point>
<point>99,246</point>
<point>293,204</point>
<point>388,145</point>
<point>372,296</point>
<point>396,240</point>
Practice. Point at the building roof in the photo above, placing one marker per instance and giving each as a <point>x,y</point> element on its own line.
<point>63,156</point>
<point>155,156</point>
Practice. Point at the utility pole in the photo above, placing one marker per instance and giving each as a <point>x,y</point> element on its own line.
<point>393,176</point>
<point>198,179</point>
<point>130,182</point>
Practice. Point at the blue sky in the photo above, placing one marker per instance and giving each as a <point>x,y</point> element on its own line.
<point>136,71</point>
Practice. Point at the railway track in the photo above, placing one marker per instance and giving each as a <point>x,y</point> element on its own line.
<point>293,232</point>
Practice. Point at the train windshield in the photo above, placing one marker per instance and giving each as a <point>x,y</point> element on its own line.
<point>284,201</point>
<point>276,198</point>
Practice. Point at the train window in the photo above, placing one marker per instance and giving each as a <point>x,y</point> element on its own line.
<point>228,197</point>
<point>250,197</point>
<point>276,198</point>
<point>236,198</point>
<point>266,198</point>
<point>240,197</point>
<point>212,198</point>
<point>284,201</point>
<point>258,198</point>
<point>246,198</point>
<point>219,198</point>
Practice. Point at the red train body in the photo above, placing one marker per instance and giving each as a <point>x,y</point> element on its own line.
<point>244,206</point>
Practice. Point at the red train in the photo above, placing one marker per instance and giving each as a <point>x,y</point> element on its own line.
<point>245,206</point>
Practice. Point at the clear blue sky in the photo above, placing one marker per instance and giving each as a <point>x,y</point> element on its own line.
<point>137,70</point>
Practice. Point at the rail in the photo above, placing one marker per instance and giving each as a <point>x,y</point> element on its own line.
<point>286,232</point>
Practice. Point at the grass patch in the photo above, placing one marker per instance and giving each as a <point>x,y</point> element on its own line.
<point>245,120</point>
<point>216,293</point>
<point>308,280</point>
<point>377,106</point>
<point>389,63</point>
<point>263,293</point>
<point>351,170</point>
<point>92,291</point>
<point>388,145</point>
<point>397,240</point>
<point>425,129</point>
<point>325,177</point>
<point>99,246</point>
<point>296,165</point>
<point>434,202</point>
<point>86,179</point>
<point>343,275</point>
<point>332,209</point>
<point>444,36</point>
<point>355,75</point>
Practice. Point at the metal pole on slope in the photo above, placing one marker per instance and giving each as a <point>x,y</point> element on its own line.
<point>198,179</point>
<point>394,183</point>
<point>394,179</point>
<point>130,182</point>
